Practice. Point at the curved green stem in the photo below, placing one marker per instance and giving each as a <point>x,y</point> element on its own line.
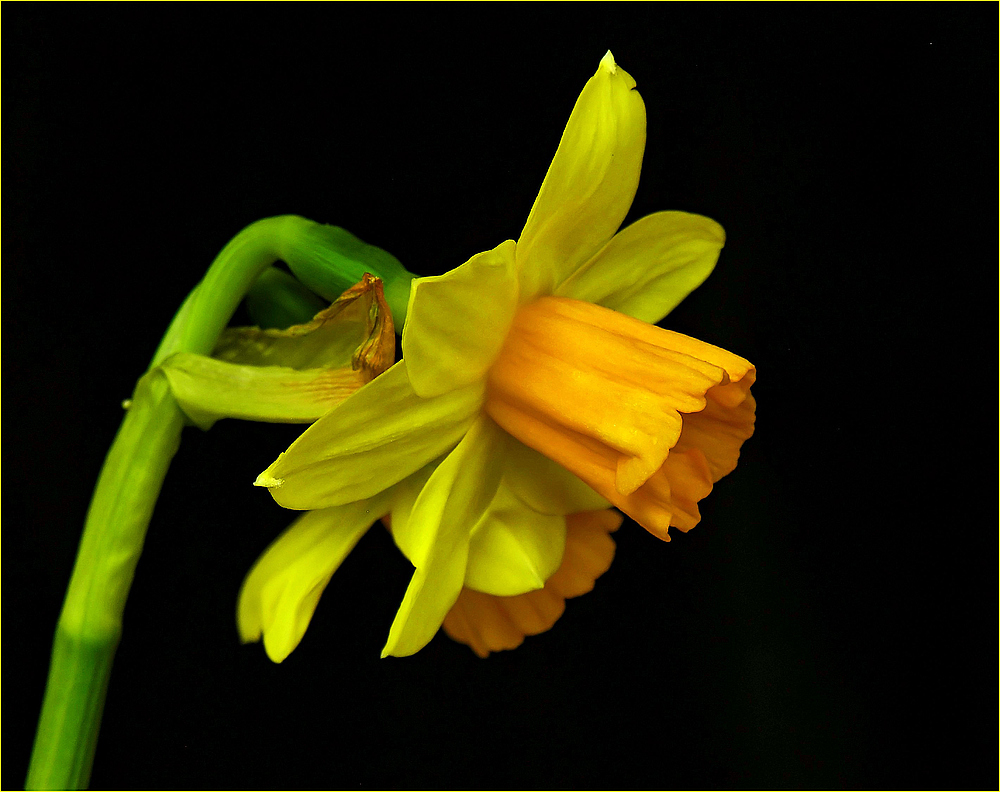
<point>90,623</point>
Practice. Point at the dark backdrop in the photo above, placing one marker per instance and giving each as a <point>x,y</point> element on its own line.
<point>829,623</point>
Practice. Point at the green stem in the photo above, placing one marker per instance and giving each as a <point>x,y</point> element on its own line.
<point>90,623</point>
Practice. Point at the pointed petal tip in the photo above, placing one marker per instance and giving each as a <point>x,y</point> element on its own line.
<point>608,62</point>
<point>264,480</point>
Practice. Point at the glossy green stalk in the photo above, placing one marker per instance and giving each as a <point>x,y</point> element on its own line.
<point>90,623</point>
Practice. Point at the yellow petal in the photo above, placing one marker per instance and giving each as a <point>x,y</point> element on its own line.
<point>209,389</point>
<point>450,504</point>
<point>649,267</point>
<point>405,496</point>
<point>377,437</point>
<point>514,549</point>
<point>544,485</point>
<point>457,321</point>
<point>590,184</point>
<point>282,590</point>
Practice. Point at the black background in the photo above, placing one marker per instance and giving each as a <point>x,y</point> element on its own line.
<point>830,623</point>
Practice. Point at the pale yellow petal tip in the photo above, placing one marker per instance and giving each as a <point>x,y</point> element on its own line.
<point>388,651</point>
<point>264,480</point>
<point>617,73</point>
<point>391,649</point>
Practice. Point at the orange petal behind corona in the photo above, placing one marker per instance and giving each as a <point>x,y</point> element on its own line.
<point>488,623</point>
<point>647,417</point>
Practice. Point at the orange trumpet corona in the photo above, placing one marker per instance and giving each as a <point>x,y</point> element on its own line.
<point>649,418</point>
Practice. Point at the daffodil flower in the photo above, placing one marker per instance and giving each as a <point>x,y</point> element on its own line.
<point>532,387</point>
